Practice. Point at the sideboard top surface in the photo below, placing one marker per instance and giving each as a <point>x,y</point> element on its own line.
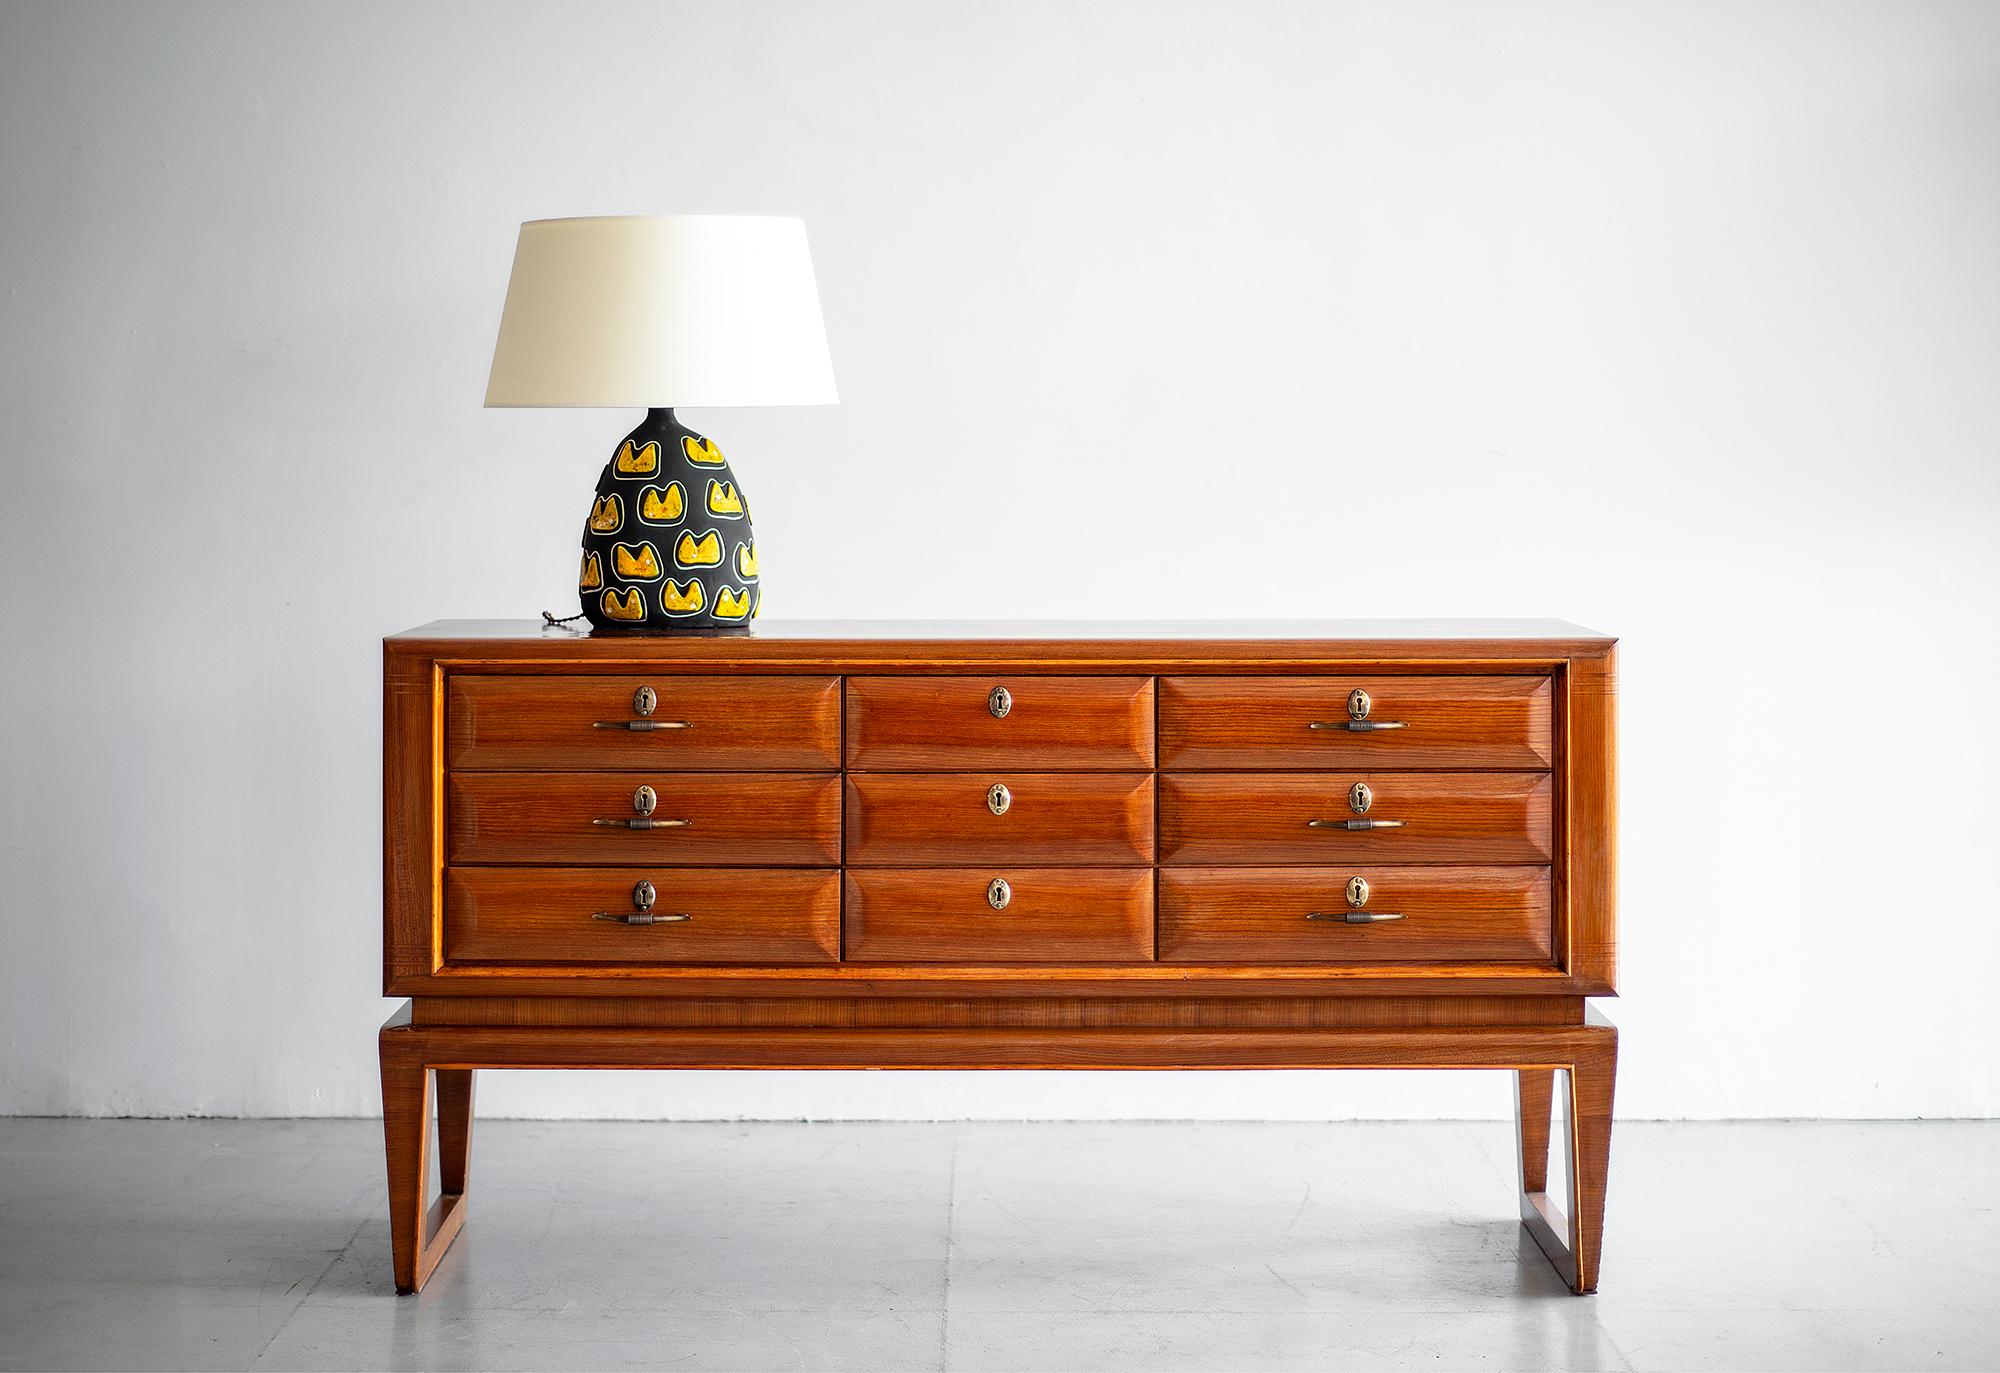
<point>780,639</point>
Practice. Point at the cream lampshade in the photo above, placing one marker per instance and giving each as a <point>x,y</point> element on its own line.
<point>663,311</point>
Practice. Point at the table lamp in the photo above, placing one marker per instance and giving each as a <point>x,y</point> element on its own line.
<point>659,311</point>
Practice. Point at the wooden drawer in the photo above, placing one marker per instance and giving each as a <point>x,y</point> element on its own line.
<point>936,724</point>
<point>1263,818</point>
<point>746,819</point>
<point>1267,722</point>
<point>1052,819</point>
<point>731,723</point>
<point>1450,915</point>
<point>737,915</point>
<point>1051,915</point>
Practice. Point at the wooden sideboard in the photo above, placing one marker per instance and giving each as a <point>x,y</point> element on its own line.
<point>903,845</point>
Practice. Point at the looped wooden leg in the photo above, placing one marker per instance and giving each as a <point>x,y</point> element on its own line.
<point>1572,1242</point>
<point>420,1232</point>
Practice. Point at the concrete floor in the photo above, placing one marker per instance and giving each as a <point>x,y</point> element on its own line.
<point>225,1244</point>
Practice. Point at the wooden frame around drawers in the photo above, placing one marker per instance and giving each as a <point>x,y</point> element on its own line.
<point>1136,1015</point>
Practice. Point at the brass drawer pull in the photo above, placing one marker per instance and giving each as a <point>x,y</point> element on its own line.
<point>643,896</point>
<point>1359,703</point>
<point>1355,824</point>
<point>1358,892</point>
<point>641,726</point>
<point>644,801</point>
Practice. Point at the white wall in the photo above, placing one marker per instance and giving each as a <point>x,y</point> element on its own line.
<point>1681,321</point>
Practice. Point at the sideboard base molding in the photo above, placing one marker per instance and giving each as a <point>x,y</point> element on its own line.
<point>431,1067</point>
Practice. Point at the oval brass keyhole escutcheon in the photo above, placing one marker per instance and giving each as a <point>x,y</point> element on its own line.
<point>1360,798</point>
<point>998,893</point>
<point>645,701</point>
<point>643,896</point>
<point>1357,892</point>
<point>999,701</point>
<point>645,800</point>
<point>1359,703</point>
<point>998,798</point>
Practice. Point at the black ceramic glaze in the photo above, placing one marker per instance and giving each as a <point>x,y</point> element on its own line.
<point>667,543</point>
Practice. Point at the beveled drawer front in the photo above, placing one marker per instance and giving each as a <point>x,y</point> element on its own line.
<point>733,819</point>
<point>573,722</point>
<point>1304,722</point>
<point>999,915</point>
<point>735,915</point>
<point>934,724</point>
<point>1047,818</point>
<point>1414,817</point>
<point>1301,915</point>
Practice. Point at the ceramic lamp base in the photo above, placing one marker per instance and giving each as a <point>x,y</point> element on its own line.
<point>667,546</point>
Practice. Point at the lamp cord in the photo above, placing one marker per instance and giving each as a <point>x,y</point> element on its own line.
<point>552,622</point>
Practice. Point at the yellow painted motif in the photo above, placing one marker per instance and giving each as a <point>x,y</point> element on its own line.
<point>676,599</point>
<point>746,561</point>
<point>757,606</point>
<point>592,575</point>
<point>640,563</point>
<point>700,452</point>
<point>658,506</point>
<point>732,603</point>
<point>643,461</point>
<point>723,500</point>
<point>607,514</point>
<point>703,552</point>
<point>631,605</point>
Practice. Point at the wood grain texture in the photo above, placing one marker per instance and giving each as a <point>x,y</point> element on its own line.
<point>943,724</point>
<point>1164,1010</point>
<point>738,915</point>
<point>412,814</point>
<point>454,1089</point>
<point>1587,882</point>
<point>1003,981</point>
<point>1450,915</point>
<point>1236,723</point>
<point>746,819</point>
<point>1534,1093</point>
<point>739,723</point>
<point>1261,818</point>
<point>1055,819</point>
<point>1053,915</point>
<point>1486,1046</point>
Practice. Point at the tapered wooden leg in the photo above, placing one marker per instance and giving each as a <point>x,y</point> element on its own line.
<point>1591,1083</point>
<point>1534,1089</point>
<point>420,1232</point>
<point>454,1114</point>
<point>1573,1242</point>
